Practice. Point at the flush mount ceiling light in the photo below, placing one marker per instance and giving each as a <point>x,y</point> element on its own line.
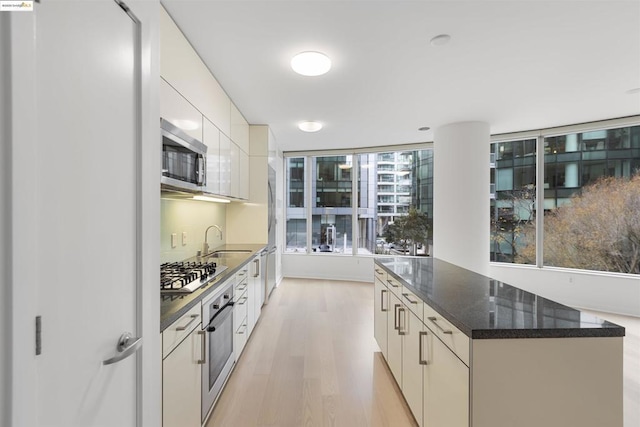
<point>310,126</point>
<point>440,40</point>
<point>423,128</point>
<point>633,91</point>
<point>311,63</point>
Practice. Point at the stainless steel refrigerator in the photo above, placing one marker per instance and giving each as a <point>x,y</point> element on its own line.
<point>270,276</point>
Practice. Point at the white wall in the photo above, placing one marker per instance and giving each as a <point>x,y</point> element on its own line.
<point>5,222</point>
<point>461,195</point>
<point>614,293</point>
<point>326,266</point>
<point>192,217</point>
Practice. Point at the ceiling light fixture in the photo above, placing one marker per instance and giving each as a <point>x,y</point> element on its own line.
<point>633,91</point>
<point>440,40</point>
<point>423,128</point>
<point>311,63</point>
<point>310,126</point>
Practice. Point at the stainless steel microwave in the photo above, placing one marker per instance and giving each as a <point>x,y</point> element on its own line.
<point>183,160</point>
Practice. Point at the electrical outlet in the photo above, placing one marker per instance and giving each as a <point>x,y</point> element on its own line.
<point>184,238</point>
<point>174,240</point>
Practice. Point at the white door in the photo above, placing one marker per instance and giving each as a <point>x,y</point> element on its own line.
<point>87,126</point>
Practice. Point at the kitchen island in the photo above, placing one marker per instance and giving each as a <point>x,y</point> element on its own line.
<point>468,350</point>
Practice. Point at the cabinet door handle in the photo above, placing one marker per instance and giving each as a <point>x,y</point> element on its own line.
<point>383,293</point>
<point>203,348</point>
<point>256,265</point>
<point>421,352</point>
<point>184,328</point>
<point>392,284</point>
<point>378,271</point>
<point>403,330</point>
<point>396,324</point>
<point>409,299</point>
<point>434,320</point>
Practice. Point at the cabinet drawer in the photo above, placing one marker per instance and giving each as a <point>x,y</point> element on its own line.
<point>379,273</point>
<point>243,273</point>
<point>180,329</point>
<point>451,336</point>
<point>240,308</point>
<point>394,285</point>
<point>241,286</point>
<point>413,302</point>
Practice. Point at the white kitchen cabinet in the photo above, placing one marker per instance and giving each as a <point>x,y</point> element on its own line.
<point>446,385</point>
<point>234,171</point>
<point>381,313</point>
<point>254,294</point>
<point>241,310</point>
<point>243,175</point>
<point>225,165</point>
<point>211,138</point>
<point>412,368</point>
<point>181,372</point>
<point>239,129</point>
<point>181,66</point>
<point>177,110</point>
<point>394,338</point>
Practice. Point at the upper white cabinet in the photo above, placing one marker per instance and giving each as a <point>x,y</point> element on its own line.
<point>243,175</point>
<point>211,138</point>
<point>181,66</point>
<point>225,165</point>
<point>239,129</point>
<point>177,110</point>
<point>234,188</point>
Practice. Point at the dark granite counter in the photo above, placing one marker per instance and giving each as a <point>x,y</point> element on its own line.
<point>484,308</point>
<point>173,306</point>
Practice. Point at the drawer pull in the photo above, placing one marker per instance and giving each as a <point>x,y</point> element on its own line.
<point>409,299</point>
<point>434,320</point>
<point>379,271</point>
<point>421,352</point>
<point>184,328</point>
<point>243,299</point>
<point>383,292</point>
<point>392,284</point>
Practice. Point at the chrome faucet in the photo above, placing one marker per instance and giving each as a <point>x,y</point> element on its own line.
<point>205,245</point>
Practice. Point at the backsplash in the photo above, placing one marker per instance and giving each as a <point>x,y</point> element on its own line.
<point>191,217</point>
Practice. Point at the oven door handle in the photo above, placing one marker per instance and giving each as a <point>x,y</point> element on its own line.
<point>218,318</point>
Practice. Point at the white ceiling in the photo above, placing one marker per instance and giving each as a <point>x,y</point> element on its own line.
<point>517,65</point>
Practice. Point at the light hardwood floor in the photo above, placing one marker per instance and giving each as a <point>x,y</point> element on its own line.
<point>312,361</point>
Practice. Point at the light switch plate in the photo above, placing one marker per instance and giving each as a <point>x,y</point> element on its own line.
<point>174,240</point>
<point>184,238</point>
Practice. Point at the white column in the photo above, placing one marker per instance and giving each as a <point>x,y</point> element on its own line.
<point>461,195</point>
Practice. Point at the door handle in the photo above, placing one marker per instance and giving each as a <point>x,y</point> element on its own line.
<point>396,323</point>
<point>383,293</point>
<point>256,264</point>
<point>434,320</point>
<point>127,345</point>
<point>203,348</point>
<point>421,358</point>
<point>402,322</point>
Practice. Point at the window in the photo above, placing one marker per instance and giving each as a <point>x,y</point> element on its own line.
<point>354,198</point>
<point>591,200</point>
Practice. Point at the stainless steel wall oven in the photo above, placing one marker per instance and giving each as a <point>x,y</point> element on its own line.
<point>217,316</point>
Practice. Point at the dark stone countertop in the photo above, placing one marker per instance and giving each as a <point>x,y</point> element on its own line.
<point>485,308</point>
<point>173,306</point>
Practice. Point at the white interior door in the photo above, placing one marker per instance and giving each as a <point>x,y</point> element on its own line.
<point>87,119</point>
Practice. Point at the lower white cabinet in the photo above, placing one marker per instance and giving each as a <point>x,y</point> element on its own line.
<point>433,379</point>
<point>446,385</point>
<point>394,338</point>
<point>254,293</point>
<point>413,364</point>
<point>381,310</point>
<point>182,376</point>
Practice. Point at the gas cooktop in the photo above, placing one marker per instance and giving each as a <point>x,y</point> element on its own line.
<point>186,277</point>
